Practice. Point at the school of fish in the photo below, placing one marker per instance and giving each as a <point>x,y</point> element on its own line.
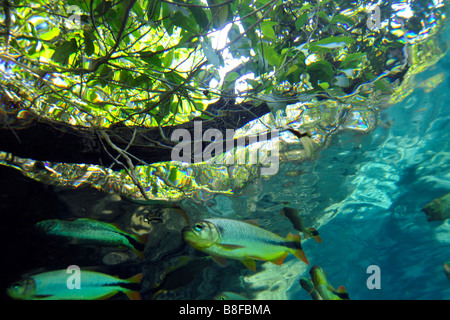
<point>219,238</point>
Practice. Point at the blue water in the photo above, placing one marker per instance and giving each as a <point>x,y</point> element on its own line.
<point>365,194</point>
<point>379,222</point>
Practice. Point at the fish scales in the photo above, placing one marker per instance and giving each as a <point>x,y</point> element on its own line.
<point>236,232</point>
<point>251,237</point>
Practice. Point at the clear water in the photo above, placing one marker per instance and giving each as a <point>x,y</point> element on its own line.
<point>364,194</point>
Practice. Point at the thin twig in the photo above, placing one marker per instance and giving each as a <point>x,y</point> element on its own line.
<point>130,169</point>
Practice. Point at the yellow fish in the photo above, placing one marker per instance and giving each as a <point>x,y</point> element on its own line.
<point>325,290</point>
<point>241,240</point>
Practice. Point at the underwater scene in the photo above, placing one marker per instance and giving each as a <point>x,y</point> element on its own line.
<point>131,175</point>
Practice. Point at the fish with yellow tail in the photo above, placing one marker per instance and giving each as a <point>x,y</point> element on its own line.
<point>52,285</point>
<point>322,289</point>
<point>241,240</point>
<point>294,216</point>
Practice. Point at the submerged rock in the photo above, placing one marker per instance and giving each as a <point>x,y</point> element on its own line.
<point>438,209</point>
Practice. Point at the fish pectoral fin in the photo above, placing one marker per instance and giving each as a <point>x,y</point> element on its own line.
<point>220,260</point>
<point>278,261</point>
<point>249,263</point>
<point>230,246</point>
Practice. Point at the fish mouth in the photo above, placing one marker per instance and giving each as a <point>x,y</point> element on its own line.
<point>186,229</point>
<point>317,275</point>
<point>194,238</point>
<point>188,234</point>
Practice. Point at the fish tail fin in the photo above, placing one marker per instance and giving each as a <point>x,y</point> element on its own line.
<point>134,294</point>
<point>136,278</point>
<point>298,251</point>
<point>315,235</point>
<point>341,292</point>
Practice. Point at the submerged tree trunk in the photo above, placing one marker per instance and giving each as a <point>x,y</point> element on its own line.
<point>61,142</point>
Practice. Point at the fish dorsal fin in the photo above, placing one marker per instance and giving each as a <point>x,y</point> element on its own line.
<point>253,222</point>
<point>220,260</point>
<point>230,246</point>
<point>249,263</point>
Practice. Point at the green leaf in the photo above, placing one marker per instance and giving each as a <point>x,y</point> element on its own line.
<point>332,43</point>
<point>267,30</point>
<point>320,71</point>
<point>64,50</point>
<point>168,57</point>
<point>151,58</point>
<point>252,82</point>
<point>180,20</point>
<point>271,55</point>
<point>352,60</point>
<point>124,76</point>
<point>342,19</point>
<point>153,10</point>
<point>105,72</point>
<point>324,85</point>
<point>210,54</point>
<point>301,21</point>
<point>88,43</point>
<point>232,76</point>
<point>50,35</point>
<point>137,9</point>
<point>200,16</point>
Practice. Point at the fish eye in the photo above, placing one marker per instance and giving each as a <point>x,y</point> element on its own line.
<point>198,227</point>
